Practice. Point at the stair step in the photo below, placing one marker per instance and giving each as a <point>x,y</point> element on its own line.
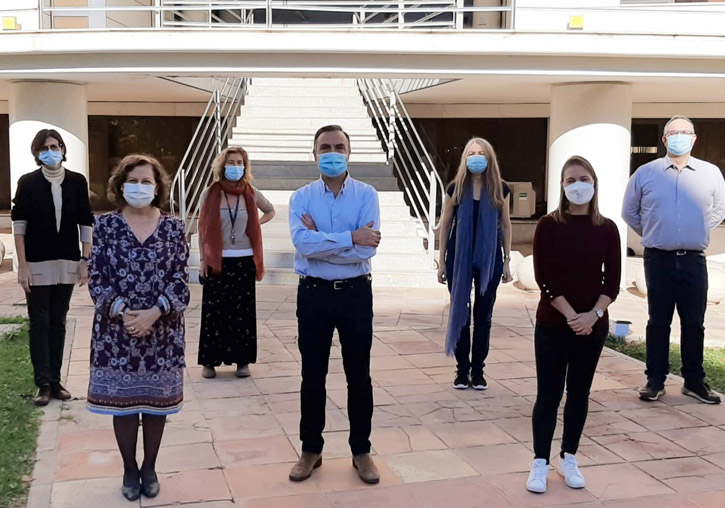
<point>282,196</point>
<point>382,261</point>
<point>303,91</point>
<point>388,212</point>
<point>282,137</point>
<point>397,229</point>
<point>300,143</point>
<point>306,103</point>
<point>307,82</point>
<point>364,125</point>
<point>380,183</point>
<point>299,156</point>
<point>297,169</point>
<point>349,111</point>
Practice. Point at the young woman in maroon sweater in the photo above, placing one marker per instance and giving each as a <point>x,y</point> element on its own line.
<point>577,263</point>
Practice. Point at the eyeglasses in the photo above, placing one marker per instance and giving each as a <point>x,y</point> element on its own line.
<point>675,133</point>
<point>55,148</point>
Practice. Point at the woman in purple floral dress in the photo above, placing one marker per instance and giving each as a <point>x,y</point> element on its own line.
<point>139,284</point>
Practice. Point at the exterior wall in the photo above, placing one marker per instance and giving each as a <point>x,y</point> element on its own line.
<point>609,16</point>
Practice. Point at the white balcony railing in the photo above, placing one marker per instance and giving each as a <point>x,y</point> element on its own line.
<point>277,14</point>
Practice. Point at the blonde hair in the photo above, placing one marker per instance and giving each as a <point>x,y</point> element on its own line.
<point>217,167</point>
<point>491,177</point>
<point>559,214</point>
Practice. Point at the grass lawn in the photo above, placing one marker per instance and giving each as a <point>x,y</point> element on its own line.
<point>714,360</point>
<point>18,417</point>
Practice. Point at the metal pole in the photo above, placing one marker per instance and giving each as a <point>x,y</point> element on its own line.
<point>182,195</point>
<point>458,16</point>
<point>218,120</point>
<point>432,198</point>
<point>157,14</point>
<point>269,13</point>
<point>391,125</point>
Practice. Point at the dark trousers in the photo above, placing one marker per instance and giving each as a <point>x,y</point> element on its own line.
<point>482,313</point>
<point>320,310</point>
<point>47,309</point>
<point>675,281</point>
<point>563,358</point>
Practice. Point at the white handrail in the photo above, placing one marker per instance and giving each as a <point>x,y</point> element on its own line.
<point>210,137</point>
<point>413,167</point>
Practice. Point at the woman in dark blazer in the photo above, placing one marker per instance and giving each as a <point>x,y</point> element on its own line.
<point>51,217</point>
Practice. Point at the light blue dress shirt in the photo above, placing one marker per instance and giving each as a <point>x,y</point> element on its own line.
<point>329,253</point>
<point>672,209</point>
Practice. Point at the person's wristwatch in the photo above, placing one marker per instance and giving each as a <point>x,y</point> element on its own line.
<point>599,312</point>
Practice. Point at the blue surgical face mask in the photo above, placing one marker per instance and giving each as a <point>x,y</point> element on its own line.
<point>332,164</point>
<point>51,158</point>
<point>477,163</point>
<point>679,144</point>
<point>139,195</point>
<point>233,173</point>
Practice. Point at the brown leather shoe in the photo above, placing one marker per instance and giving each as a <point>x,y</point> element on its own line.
<point>43,396</point>
<point>366,469</point>
<point>60,393</point>
<point>303,469</point>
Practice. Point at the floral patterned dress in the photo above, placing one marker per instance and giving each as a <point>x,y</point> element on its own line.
<point>130,375</point>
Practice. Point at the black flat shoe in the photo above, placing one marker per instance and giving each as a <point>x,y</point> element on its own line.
<point>150,484</point>
<point>131,488</point>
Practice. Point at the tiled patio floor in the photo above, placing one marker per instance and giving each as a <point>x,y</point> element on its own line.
<point>236,439</point>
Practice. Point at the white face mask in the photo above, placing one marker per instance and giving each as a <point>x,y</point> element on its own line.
<point>579,193</point>
<point>139,195</point>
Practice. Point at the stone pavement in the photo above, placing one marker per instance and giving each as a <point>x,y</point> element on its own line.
<point>236,439</point>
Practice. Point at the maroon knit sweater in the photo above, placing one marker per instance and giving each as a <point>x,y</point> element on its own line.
<point>576,260</point>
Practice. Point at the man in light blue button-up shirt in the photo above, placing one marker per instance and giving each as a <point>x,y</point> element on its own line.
<point>673,203</point>
<point>334,223</point>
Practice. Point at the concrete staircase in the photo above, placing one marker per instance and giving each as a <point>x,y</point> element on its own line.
<point>276,126</point>
<point>280,116</point>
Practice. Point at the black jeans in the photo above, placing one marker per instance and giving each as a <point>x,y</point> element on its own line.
<point>47,309</point>
<point>562,357</point>
<point>675,281</point>
<point>482,313</point>
<point>320,309</point>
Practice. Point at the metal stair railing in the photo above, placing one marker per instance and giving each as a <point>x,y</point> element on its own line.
<point>422,185</point>
<point>277,14</point>
<point>210,138</point>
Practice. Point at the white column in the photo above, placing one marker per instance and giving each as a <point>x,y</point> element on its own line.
<point>36,105</point>
<point>593,120</point>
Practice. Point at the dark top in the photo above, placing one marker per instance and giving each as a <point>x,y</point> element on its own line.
<point>33,203</point>
<point>476,208</point>
<point>576,260</point>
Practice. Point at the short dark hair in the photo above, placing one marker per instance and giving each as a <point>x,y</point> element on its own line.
<point>39,140</point>
<point>328,128</point>
<point>128,164</point>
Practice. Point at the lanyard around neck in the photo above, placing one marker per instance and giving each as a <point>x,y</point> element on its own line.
<point>232,217</point>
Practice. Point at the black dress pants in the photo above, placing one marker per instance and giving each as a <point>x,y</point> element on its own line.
<point>322,307</point>
<point>47,310</point>
<point>563,359</point>
<point>675,281</point>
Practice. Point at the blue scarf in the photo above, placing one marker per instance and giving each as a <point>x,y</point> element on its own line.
<point>484,251</point>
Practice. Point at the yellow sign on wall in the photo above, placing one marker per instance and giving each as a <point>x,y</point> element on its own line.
<point>10,23</point>
<point>576,22</point>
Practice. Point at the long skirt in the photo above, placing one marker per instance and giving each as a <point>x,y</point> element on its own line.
<point>229,315</point>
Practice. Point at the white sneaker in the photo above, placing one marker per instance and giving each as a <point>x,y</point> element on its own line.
<point>569,469</point>
<point>537,476</point>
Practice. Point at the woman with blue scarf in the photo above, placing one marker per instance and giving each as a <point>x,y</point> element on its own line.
<point>475,246</point>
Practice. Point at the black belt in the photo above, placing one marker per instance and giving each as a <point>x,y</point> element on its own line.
<point>335,284</point>
<point>681,252</point>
